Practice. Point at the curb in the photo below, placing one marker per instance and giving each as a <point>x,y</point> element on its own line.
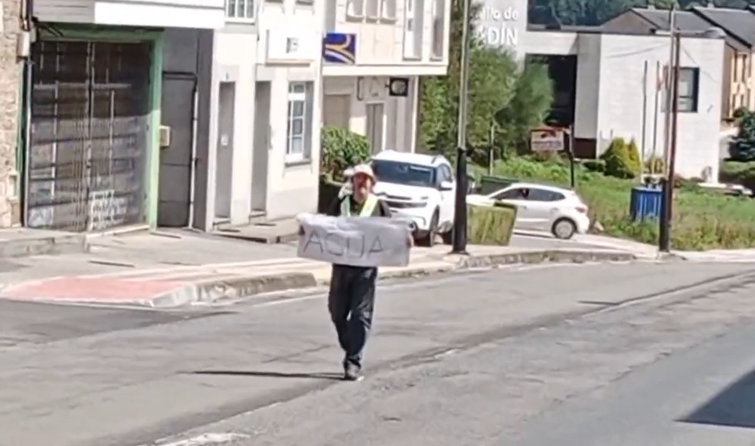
<point>548,256</point>
<point>213,290</point>
<point>234,287</point>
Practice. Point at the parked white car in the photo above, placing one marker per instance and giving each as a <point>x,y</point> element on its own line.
<point>541,208</point>
<point>418,188</point>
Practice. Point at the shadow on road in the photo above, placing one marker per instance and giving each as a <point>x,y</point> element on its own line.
<point>322,376</point>
<point>733,407</point>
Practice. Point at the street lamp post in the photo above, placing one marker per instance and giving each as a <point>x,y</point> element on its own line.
<point>460,214</point>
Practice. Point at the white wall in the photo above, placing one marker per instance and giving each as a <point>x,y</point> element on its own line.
<point>380,42</point>
<point>400,116</point>
<point>202,14</point>
<point>291,187</point>
<point>620,97</point>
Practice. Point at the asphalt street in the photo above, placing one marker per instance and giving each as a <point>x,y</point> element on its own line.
<point>629,354</point>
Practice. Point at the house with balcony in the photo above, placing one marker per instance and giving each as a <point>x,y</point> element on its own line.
<point>375,52</point>
<point>92,159</point>
<point>738,88</point>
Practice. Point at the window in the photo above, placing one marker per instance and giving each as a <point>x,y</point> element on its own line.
<point>516,193</point>
<point>408,174</point>
<point>373,7</point>
<point>355,8</point>
<point>239,10</point>
<point>688,89</point>
<point>439,28</point>
<point>544,195</point>
<point>388,9</point>
<point>298,132</point>
<point>445,174</point>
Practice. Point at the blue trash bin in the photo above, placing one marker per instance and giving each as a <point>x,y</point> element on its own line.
<point>645,203</point>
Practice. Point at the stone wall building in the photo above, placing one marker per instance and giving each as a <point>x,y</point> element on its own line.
<point>10,72</point>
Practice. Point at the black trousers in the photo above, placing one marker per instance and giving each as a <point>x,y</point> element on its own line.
<point>351,303</point>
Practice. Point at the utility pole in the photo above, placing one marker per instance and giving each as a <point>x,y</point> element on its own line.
<point>664,234</point>
<point>668,80</point>
<point>460,214</point>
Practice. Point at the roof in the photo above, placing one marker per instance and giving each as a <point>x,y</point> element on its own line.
<point>688,21</point>
<point>739,23</point>
<point>413,158</point>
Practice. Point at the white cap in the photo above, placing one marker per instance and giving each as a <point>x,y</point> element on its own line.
<point>364,169</point>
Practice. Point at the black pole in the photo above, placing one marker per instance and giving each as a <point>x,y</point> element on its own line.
<point>460,211</point>
<point>664,233</point>
<point>571,156</point>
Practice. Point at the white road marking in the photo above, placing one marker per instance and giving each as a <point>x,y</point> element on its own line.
<point>207,439</point>
<point>174,269</point>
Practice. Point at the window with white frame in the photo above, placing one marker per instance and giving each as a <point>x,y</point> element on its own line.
<point>355,8</point>
<point>240,10</point>
<point>298,132</point>
<point>373,9</point>
<point>439,28</point>
<point>388,9</point>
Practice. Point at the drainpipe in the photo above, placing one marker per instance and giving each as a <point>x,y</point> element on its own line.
<point>23,51</point>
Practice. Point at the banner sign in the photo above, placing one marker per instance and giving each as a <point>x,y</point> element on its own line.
<point>355,241</point>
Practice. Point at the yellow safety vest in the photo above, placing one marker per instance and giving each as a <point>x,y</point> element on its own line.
<point>367,208</point>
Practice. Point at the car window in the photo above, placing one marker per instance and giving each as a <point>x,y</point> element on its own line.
<point>517,193</point>
<point>544,195</point>
<point>446,174</point>
<point>407,174</point>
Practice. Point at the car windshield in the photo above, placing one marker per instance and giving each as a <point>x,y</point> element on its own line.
<point>404,173</point>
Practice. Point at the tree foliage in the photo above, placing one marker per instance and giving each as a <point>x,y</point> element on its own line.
<point>742,147</point>
<point>505,99</point>
<point>341,149</point>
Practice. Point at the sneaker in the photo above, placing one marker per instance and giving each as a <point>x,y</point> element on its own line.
<point>351,372</point>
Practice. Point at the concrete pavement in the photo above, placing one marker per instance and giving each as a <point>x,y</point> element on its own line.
<point>482,358</point>
<point>174,269</point>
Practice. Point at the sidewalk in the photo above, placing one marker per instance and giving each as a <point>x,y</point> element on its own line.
<point>179,268</point>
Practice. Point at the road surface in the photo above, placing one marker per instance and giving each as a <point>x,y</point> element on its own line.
<point>606,355</point>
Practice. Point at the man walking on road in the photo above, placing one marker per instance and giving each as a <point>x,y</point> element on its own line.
<point>351,300</point>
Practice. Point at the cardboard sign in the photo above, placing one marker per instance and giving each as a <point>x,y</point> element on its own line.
<point>355,241</point>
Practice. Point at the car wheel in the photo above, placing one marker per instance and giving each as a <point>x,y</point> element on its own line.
<point>564,229</point>
<point>448,237</point>
<point>428,240</point>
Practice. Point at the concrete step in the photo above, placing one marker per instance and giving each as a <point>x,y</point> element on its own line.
<point>25,242</point>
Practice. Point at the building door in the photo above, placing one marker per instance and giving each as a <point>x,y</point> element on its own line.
<point>375,116</point>
<point>88,146</point>
<point>175,184</point>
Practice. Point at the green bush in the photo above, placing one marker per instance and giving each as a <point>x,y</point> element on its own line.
<point>743,145</point>
<point>490,225</point>
<point>635,161</point>
<point>595,165</point>
<point>328,191</point>
<point>622,159</point>
<point>341,149</point>
<point>734,172</point>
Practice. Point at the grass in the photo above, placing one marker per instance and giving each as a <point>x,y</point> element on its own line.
<point>701,220</point>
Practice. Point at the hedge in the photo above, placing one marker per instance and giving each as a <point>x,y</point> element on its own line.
<point>490,225</point>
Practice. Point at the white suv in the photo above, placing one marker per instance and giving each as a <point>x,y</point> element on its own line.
<point>418,188</point>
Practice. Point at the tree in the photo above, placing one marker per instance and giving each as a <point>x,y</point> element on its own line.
<point>742,147</point>
<point>528,105</point>
<point>502,95</point>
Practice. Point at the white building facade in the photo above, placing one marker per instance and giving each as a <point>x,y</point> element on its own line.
<point>264,135</point>
<point>375,52</point>
<point>618,91</point>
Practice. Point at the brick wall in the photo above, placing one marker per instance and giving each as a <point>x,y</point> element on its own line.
<point>10,71</point>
